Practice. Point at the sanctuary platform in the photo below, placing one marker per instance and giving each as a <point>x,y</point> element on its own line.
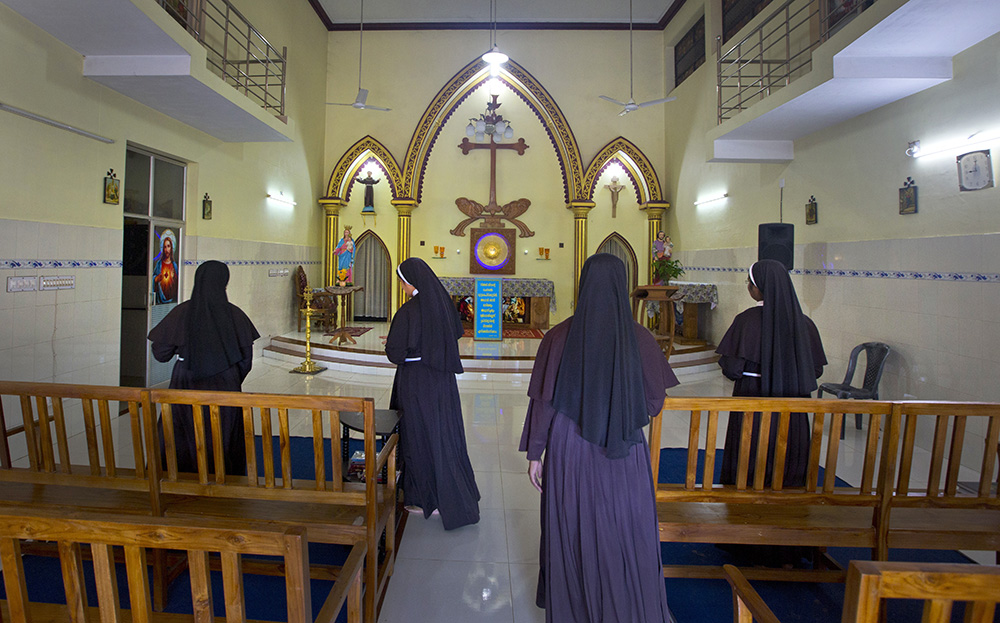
<point>513,355</point>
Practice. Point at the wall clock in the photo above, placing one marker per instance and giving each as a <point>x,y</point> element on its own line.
<point>975,170</point>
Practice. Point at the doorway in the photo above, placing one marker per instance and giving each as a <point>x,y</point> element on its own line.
<point>372,270</point>
<point>152,256</point>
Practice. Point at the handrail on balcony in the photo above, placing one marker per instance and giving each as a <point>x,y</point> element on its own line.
<point>777,51</point>
<point>237,52</point>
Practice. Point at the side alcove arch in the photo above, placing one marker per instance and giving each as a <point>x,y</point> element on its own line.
<point>617,245</point>
<point>457,89</point>
<point>366,150</point>
<point>637,166</point>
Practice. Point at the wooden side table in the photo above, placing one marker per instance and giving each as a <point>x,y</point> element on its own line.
<point>342,292</point>
<point>665,296</point>
<point>386,423</point>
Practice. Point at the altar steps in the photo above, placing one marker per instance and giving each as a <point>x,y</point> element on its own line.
<point>512,357</point>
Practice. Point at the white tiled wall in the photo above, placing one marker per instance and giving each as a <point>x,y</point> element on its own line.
<point>944,328</point>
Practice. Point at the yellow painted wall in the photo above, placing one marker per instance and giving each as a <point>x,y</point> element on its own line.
<point>56,176</point>
<point>405,70</point>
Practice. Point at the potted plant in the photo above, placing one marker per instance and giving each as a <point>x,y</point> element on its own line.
<point>665,269</point>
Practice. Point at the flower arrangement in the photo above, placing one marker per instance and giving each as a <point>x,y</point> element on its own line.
<point>342,278</point>
<point>665,269</point>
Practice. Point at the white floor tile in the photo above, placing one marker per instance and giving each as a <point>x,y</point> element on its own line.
<point>523,533</point>
<point>433,591</point>
<point>523,586</point>
<point>426,539</point>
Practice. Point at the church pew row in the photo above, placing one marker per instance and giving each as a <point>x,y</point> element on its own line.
<point>99,538</point>
<point>873,513</point>
<point>869,584</point>
<point>113,465</point>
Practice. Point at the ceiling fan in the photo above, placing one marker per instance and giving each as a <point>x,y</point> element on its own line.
<point>631,106</point>
<point>360,102</point>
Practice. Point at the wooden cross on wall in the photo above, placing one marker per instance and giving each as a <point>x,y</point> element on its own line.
<point>492,213</point>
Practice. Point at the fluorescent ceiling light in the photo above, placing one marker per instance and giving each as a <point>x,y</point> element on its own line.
<point>916,150</point>
<point>280,198</point>
<point>711,199</point>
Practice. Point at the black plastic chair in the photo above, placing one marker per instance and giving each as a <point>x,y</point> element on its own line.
<point>875,353</point>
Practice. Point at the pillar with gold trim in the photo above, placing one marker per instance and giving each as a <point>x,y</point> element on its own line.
<point>331,234</point>
<point>580,210</point>
<point>654,213</point>
<point>404,208</point>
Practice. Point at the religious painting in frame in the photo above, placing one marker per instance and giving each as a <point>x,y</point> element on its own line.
<point>812,212</point>
<point>908,197</point>
<point>112,188</point>
<point>492,251</point>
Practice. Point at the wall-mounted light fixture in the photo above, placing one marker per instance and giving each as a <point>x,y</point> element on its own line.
<point>915,150</point>
<point>711,199</point>
<point>280,198</point>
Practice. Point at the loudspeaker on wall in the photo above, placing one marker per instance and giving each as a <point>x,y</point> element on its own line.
<point>776,241</point>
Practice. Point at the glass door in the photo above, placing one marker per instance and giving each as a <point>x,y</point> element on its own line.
<point>152,257</point>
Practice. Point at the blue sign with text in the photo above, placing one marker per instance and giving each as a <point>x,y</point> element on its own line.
<point>488,309</point>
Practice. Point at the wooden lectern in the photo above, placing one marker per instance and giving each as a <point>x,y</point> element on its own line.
<point>664,333</point>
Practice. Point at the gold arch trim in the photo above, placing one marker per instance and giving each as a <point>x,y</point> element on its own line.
<point>452,94</point>
<point>353,160</point>
<point>639,168</point>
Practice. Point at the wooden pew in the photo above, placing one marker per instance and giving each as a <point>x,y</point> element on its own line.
<point>927,508</point>
<point>333,511</point>
<point>869,583</point>
<point>822,513</point>
<point>91,479</point>
<point>103,532</point>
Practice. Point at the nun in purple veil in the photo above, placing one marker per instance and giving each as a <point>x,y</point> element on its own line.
<point>771,350</point>
<point>597,379</point>
<point>423,343</point>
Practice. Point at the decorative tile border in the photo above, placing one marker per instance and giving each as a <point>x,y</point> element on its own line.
<point>870,274</point>
<point>46,264</point>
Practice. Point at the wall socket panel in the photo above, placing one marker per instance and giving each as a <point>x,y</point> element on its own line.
<point>60,282</point>
<point>22,284</point>
<point>277,272</point>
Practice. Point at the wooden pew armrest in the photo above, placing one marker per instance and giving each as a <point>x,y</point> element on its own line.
<point>747,603</point>
<point>348,581</point>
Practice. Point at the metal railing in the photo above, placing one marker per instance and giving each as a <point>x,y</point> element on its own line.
<point>777,51</point>
<point>237,52</point>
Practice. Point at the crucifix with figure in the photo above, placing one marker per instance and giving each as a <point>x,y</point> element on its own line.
<point>493,124</point>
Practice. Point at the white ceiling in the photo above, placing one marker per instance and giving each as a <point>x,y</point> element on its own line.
<point>467,13</point>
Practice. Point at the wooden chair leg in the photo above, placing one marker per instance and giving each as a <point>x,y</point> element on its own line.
<point>160,581</point>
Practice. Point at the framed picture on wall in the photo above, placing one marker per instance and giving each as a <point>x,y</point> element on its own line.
<point>908,197</point>
<point>112,188</point>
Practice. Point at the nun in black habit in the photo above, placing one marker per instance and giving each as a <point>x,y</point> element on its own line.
<point>597,379</point>
<point>213,340</point>
<point>771,350</point>
<point>423,343</point>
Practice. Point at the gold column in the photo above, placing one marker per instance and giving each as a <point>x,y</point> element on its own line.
<point>654,212</point>
<point>331,226</point>
<point>580,210</point>
<point>404,208</point>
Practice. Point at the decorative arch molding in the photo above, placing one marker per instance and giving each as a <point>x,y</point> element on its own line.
<point>637,166</point>
<point>524,85</point>
<point>354,159</point>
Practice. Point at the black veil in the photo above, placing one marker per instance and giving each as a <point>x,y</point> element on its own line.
<point>438,324</point>
<point>787,364</point>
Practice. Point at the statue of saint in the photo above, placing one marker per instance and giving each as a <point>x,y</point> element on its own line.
<point>615,188</point>
<point>662,247</point>
<point>345,258</point>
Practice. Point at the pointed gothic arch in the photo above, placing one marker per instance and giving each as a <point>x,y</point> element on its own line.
<point>637,166</point>
<point>373,271</point>
<point>366,150</point>
<point>617,245</point>
<point>455,91</point>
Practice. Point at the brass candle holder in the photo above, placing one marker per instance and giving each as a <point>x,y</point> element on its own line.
<point>308,366</point>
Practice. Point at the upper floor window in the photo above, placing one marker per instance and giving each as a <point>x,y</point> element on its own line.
<point>737,13</point>
<point>689,53</point>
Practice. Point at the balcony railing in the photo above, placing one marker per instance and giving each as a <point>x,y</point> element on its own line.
<point>777,51</point>
<point>237,52</point>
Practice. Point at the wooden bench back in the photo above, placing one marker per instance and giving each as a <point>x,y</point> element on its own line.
<point>959,428</point>
<point>702,418</point>
<point>269,415</point>
<point>102,532</point>
<point>73,434</point>
<point>937,585</point>
<point>868,583</point>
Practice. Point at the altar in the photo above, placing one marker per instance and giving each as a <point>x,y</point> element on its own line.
<point>537,299</point>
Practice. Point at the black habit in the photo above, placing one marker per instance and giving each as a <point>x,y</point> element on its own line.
<point>213,340</point>
<point>423,343</point>
<point>599,554</point>
<point>771,350</point>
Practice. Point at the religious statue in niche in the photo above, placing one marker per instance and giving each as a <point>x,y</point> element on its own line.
<point>369,207</point>
<point>492,123</point>
<point>615,188</point>
<point>345,258</point>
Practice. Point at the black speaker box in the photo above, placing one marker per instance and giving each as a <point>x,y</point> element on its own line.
<point>776,241</point>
